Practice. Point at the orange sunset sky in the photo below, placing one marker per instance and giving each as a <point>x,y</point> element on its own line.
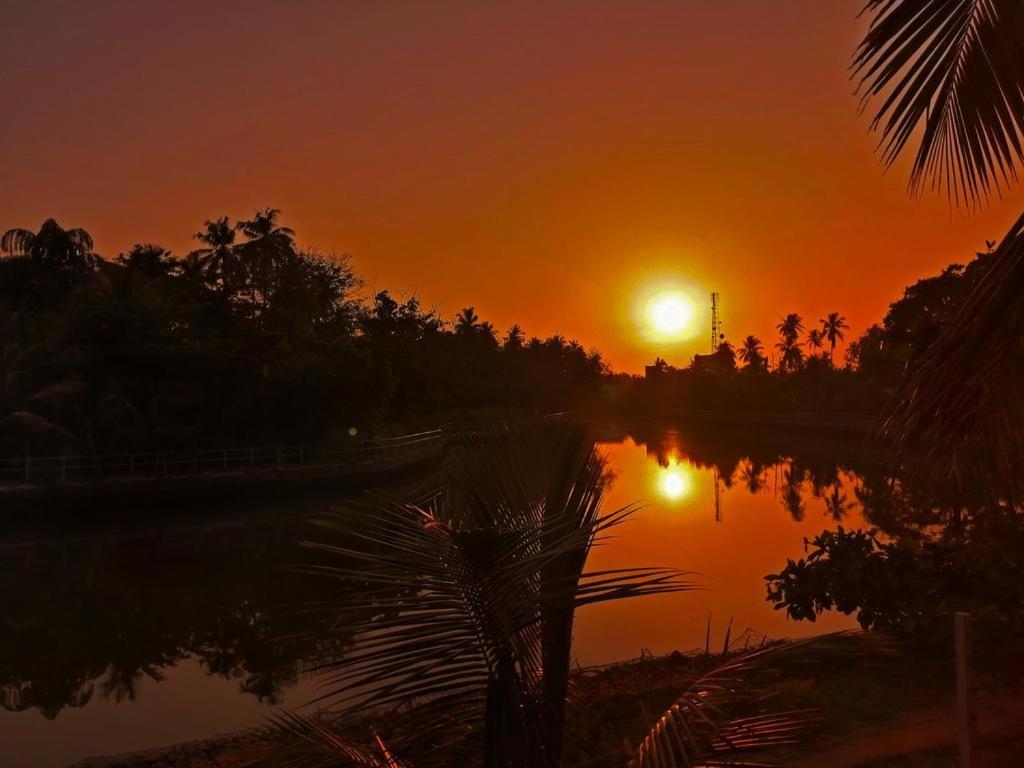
<point>547,162</point>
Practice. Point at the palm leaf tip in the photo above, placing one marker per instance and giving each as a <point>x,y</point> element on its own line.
<point>722,714</point>
<point>951,74</point>
<point>291,740</point>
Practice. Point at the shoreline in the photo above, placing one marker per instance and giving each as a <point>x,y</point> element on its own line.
<point>835,423</point>
<point>633,691</point>
<point>898,692</point>
<point>200,753</point>
<point>649,673</point>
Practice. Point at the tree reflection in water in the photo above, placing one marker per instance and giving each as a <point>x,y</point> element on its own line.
<point>96,615</point>
<point>845,474</point>
<point>927,546</point>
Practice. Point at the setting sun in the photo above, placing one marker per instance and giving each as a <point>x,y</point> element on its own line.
<point>670,315</point>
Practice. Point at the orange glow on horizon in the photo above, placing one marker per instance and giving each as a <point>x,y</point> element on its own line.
<point>537,161</point>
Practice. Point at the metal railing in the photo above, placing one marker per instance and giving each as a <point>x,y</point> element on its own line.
<point>61,470</point>
<point>48,471</point>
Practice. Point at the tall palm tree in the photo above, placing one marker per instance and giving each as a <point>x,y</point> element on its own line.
<point>815,340</point>
<point>791,356</point>
<point>514,337</point>
<point>264,224</point>
<point>791,326</point>
<point>948,75</point>
<point>52,245</point>
<point>467,322</point>
<point>486,329</point>
<point>268,251</point>
<point>751,352</point>
<point>833,326</point>
<point>218,256</point>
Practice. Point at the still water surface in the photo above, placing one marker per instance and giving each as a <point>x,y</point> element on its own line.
<point>118,641</point>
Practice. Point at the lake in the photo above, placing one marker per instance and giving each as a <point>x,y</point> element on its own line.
<point>121,638</point>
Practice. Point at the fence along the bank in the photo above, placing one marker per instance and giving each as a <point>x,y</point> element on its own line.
<point>58,470</point>
<point>382,453</point>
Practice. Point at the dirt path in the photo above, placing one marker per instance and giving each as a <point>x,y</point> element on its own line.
<point>927,729</point>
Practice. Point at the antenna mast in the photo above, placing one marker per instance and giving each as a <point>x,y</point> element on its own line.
<point>716,323</point>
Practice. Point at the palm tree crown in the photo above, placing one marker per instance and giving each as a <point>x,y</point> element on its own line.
<point>216,235</point>
<point>52,245</point>
<point>815,339</point>
<point>264,224</point>
<point>791,355</point>
<point>467,321</point>
<point>833,327</point>
<point>218,257</point>
<point>751,352</point>
<point>514,337</point>
<point>791,326</point>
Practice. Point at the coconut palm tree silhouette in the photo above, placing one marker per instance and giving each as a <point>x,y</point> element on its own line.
<point>52,245</point>
<point>833,327</point>
<point>514,337</point>
<point>264,224</point>
<point>791,356</point>
<point>751,352</point>
<point>218,257</point>
<point>467,322</point>
<point>815,340</point>
<point>791,326</point>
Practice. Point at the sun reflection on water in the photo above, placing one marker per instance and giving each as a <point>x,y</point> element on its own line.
<point>676,481</point>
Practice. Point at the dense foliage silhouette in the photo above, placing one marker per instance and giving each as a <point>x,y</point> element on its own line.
<point>947,75</point>
<point>252,339</point>
<point>249,338</point>
<point>799,374</point>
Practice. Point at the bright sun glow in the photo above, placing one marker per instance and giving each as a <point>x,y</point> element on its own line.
<point>675,483</point>
<point>670,315</point>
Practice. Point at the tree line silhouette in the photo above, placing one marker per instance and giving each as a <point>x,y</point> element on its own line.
<point>250,338</point>
<point>247,338</point>
<point>804,375</point>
